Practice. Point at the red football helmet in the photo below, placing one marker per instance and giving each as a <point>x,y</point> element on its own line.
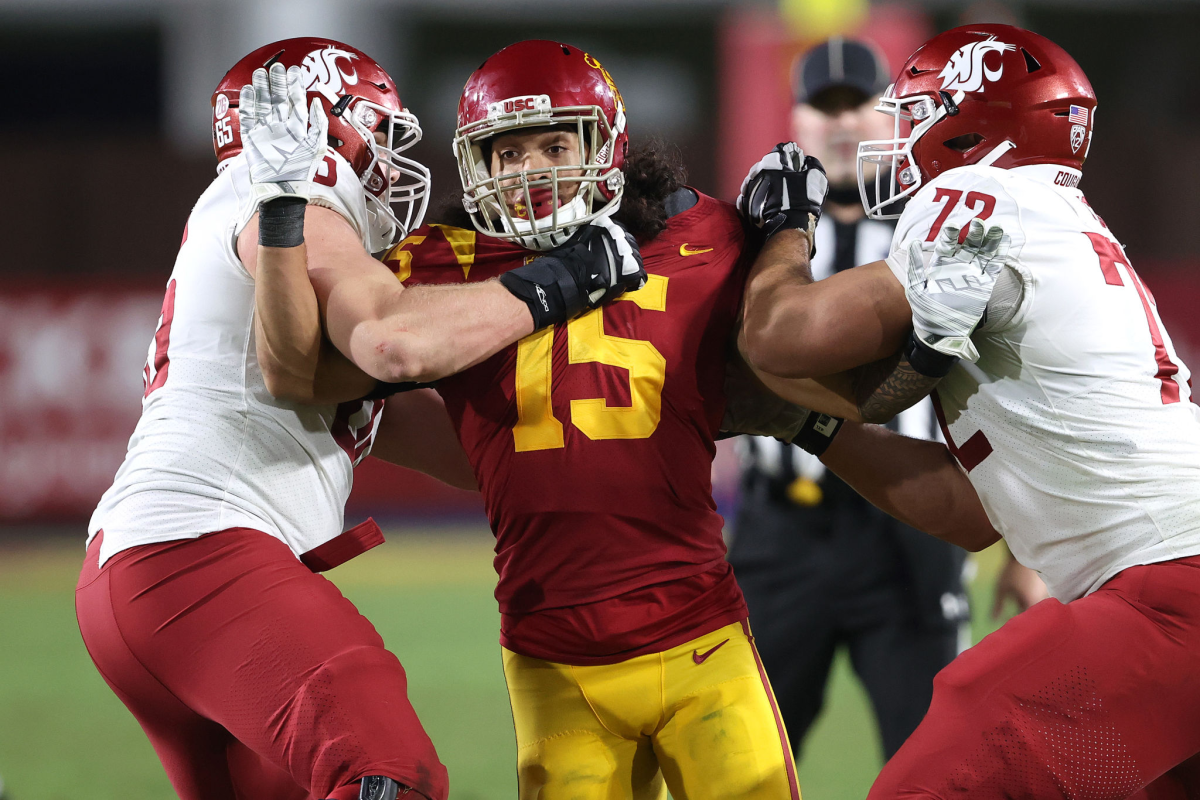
<point>533,84</point>
<point>980,94</point>
<point>359,99</point>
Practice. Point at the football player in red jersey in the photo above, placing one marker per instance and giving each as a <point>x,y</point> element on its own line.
<point>628,658</point>
<point>626,650</point>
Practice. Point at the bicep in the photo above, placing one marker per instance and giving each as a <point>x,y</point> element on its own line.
<point>862,315</point>
<point>853,318</point>
<point>351,286</point>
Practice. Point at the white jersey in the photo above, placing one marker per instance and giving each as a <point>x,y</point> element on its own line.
<point>213,449</point>
<point>1076,425</point>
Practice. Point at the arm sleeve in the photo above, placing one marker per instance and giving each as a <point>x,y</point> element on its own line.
<point>954,199</point>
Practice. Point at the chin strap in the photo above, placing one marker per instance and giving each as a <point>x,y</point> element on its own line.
<point>997,151</point>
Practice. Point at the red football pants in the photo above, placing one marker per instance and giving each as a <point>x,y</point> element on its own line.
<point>253,677</point>
<point>1091,700</point>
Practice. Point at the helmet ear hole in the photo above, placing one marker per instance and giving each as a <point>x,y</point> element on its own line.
<point>964,143</point>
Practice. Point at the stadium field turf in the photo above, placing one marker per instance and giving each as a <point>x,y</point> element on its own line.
<point>64,735</point>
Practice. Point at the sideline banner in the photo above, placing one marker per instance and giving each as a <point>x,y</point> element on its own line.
<point>71,362</point>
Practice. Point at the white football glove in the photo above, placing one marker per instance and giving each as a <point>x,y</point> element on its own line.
<point>284,139</point>
<point>784,190</point>
<point>950,295</point>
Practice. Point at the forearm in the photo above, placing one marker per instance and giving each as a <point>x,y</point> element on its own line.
<point>769,305</point>
<point>833,394</point>
<point>428,332</point>
<point>287,322</point>
<point>886,387</point>
<point>917,482</point>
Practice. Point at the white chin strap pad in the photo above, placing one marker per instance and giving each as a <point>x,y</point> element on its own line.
<point>546,238</point>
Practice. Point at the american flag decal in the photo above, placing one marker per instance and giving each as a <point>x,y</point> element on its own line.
<point>1078,115</point>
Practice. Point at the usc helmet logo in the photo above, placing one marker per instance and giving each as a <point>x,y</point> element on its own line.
<point>594,64</point>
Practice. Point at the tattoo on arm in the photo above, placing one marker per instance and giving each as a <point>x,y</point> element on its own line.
<point>889,386</point>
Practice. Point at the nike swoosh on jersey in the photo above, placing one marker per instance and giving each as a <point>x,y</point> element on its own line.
<point>699,657</point>
<point>684,251</point>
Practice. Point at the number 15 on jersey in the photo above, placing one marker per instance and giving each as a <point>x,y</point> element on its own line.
<point>538,429</point>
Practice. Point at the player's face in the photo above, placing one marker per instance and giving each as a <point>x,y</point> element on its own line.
<point>381,139</point>
<point>513,153</point>
<point>832,133</point>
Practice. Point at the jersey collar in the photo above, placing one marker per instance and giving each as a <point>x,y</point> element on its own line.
<point>1053,174</point>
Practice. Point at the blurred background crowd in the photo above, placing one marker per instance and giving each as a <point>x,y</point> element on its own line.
<point>106,136</point>
<point>107,142</point>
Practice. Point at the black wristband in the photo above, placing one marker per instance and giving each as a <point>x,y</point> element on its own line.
<point>281,222</point>
<point>547,288</point>
<point>817,432</point>
<point>383,389</point>
<point>925,360</point>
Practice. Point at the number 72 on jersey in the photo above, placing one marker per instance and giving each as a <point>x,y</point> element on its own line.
<point>538,429</point>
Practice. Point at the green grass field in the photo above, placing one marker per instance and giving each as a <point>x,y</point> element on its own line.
<point>64,735</point>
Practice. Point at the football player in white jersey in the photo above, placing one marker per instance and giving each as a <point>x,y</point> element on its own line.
<point>1061,397</point>
<point>199,600</point>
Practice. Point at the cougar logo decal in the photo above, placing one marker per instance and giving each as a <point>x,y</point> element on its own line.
<point>323,74</point>
<point>966,71</point>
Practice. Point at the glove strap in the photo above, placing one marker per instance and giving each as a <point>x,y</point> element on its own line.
<point>925,360</point>
<point>548,288</point>
<point>817,432</point>
<point>281,222</point>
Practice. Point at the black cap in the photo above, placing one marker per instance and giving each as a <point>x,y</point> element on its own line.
<point>839,63</point>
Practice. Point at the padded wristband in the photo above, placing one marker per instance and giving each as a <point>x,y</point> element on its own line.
<point>547,288</point>
<point>925,360</point>
<point>817,432</point>
<point>281,222</point>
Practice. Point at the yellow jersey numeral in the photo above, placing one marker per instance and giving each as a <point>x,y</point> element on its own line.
<point>538,429</point>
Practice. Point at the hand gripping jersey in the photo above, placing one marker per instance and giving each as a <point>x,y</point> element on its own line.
<point>593,444</point>
<point>213,449</point>
<point>1076,426</point>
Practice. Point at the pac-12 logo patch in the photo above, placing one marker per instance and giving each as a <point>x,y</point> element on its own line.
<point>222,106</point>
<point>966,70</point>
<point>1078,132</point>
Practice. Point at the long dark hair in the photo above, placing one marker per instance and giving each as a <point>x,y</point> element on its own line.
<point>653,171</point>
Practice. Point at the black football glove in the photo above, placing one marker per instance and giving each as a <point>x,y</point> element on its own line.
<point>784,191</point>
<point>600,262</point>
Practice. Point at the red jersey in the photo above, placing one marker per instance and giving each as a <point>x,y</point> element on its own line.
<point>593,443</point>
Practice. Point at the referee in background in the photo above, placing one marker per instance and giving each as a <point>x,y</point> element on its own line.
<point>820,566</point>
